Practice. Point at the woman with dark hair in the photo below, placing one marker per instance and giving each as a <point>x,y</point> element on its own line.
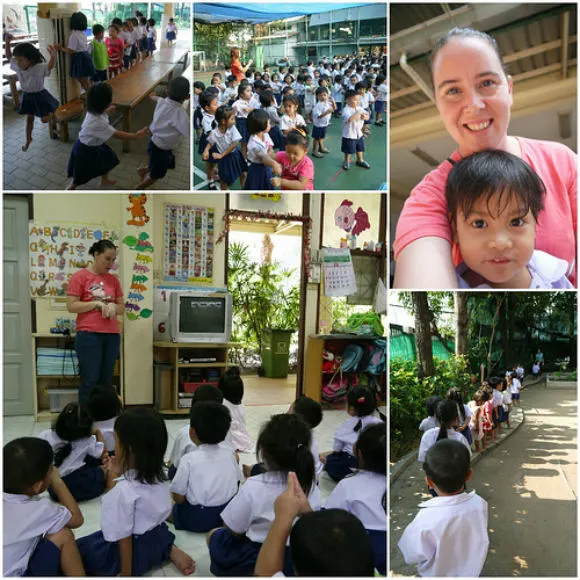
<point>96,296</point>
<point>236,67</point>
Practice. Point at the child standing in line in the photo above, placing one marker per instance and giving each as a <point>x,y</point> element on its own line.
<point>430,422</point>
<point>506,399</point>
<point>476,421</point>
<point>488,427</point>
<point>338,94</point>
<point>321,119</point>
<point>463,412</point>
<point>268,103</point>
<point>151,37</point>
<point>494,383</point>
<point>115,50</point>
<point>198,88</point>
<point>309,98</point>
<point>127,38</point>
<point>99,53</point>
<point>209,103</point>
<point>353,118</point>
<point>243,108</point>
<point>171,32</point>
<point>297,167</point>
<point>382,91</point>
<point>515,390</point>
<point>82,67</point>
<point>104,407</point>
<point>291,118</point>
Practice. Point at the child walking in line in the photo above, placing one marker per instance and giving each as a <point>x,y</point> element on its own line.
<point>171,32</point>
<point>99,54</point>
<point>151,37</point>
<point>476,421</point>
<point>430,422</point>
<point>463,413</point>
<point>353,118</point>
<point>82,67</point>
<point>115,50</point>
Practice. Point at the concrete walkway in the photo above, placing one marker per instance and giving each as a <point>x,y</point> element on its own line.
<point>529,482</point>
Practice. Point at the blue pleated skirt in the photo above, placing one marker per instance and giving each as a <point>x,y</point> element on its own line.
<point>151,45</point>
<point>379,106</point>
<point>44,561</point>
<point>82,65</point>
<point>142,44</point>
<point>171,472</point>
<point>84,483</point>
<point>170,35</point>
<point>339,464</point>
<point>278,97</point>
<point>38,104</point>
<point>277,137</point>
<point>232,166</point>
<point>197,518</point>
<point>318,132</point>
<point>242,126</point>
<point>102,558</point>
<point>202,144</point>
<point>86,162</point>
<point>259,177</point>
<point>160,160</point>
<point>197,117</point>
<point>379,543</point>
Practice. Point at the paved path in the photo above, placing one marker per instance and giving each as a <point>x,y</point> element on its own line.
<point>529,482</point>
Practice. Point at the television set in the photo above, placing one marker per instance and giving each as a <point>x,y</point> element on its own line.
<point>200,316</point>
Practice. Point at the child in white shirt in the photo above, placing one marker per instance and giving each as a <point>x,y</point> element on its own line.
<point>353,118</point>
<point>430,422</point>
<point>104,406</point>
<point>380,104</point>
<point>321,119</point>
<point>515,390</point>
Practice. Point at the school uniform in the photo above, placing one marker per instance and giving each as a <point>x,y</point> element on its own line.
<point>239,107</point>
<point>81,62</point>
<point>352,135</point>
<point>448,537</point>
<point>232,165</point>
<point>151,40</point>
<point>90,156</point>
<point>107,429</point>
<point>208,123</point>
<point>506,401</point>
<point>428,423</point>
<point>342,461</point>
<point>135,509</point>
<point>171,32</point>
<point>276,87</point>
<point>337,96</point>
<point>275,133</point>
<point>382,91</point>
<point>515,389</point>
<point>497,405</point>
<point>36,100</point>
<point>182,445</point>
<point>309,98</point>
<point>27,520</point>
<point>142,37</point>
<point>197,112</point>
<point>287,123</point>
<point>79,470</point>
<point>259,176</point>
<point>127,39</point>
<point>363,494</point>
<point>251,512</point>
<point>238,435</point>
<point>230,95</point>
<point>430,438</point>
<point>299,91</point>
<point>134,43</point>
<point>320,123</point>
<point>467,431</point>
<point>476,421</point>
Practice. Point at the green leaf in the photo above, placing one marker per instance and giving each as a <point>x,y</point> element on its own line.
<point>146,313</point>
<point>130,241</point>
<point>132,316</point>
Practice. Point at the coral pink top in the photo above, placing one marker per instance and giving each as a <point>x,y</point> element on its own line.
<point>425,212</point>
<point>304,168</point>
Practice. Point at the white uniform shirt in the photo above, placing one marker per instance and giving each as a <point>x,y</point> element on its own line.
<point>96,129</point>
<point>310,95</point>
<point>242,108</point>
<point>133,508</point>
<point>207,476</point>
<point>337,92</point>
<point>362,495</point>
<point>127,38</point>
<point>255,101</point>
<point>273,115</point>
<point>207,122</point>
<point>276,87</point>
<point>170,122</point>
<point>319,109</point>
<point>152,33</point>
<point>26,520</point>
<point>229,94</point>
<point>506,399</point>
<point>182,445</point>
<point>223,140</point>
<point>428,423</point>
<point>107,429</point>
<point>238,436</point>
<point>252,509</point>
<point>516,385</point>
<point>286,123</point>
<point>448,537</point>
<point>345,436</point>
<point>430,438</point>
<point>496,398</point>
<point>318,465</point>
<point>77,41</point>
<point>257,148</point>
<point>80,449</point>
<point>142,29</point>
<point>382,91</point>
<point>32,79</point>
<point>353,129</point>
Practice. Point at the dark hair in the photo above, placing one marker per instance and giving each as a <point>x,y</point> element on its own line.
<point>207,393</point>
<point>211,90</point>
<point>380,80</point>
<point>135,22</point>
<point>143,440</point>
<point>231,384</point>
<point>210,420</point>
<point>445,414</point>
<point>332,531</point>
<point>27,460</point>
<point>103,403</point>
<point>29,52</point>
<point>151,22</point>
<point>286,76</point>
<point>478,396</point>
<point>259,85</point>
<point>360,86</point>
<point>338,79</point>
<point>78,21</point>
<point>309,410</point>
<point>291,99</point>
<point>223,113</point>
<point>117,21</point>
<point>143,21</point>
<point>242,87</point>
<point>206,98</point>
<point>115,26</point>
<point>349,94</point>
<point>431,404</point>
<point>101,246</point>
<point>97,29</point>
<point>257,121</point>
<point>138,14</point>
<point>178,89</point>
<point>320,91</point>
<point>454,394</point>
<point>73,422</point>
<point>494,381</point>
<point>287,91</point>
<point>284,443</point>
<point>99,98</point>
<point>372,444</point>
<point>492,173</point>
<point>447,465</point>
<point>363,401</point>
<point>298,136</point>
<point>266,98</point>
<point>230,78</point>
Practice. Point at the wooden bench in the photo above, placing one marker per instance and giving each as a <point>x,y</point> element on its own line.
<point>9,77</point>
<point>63,115</point>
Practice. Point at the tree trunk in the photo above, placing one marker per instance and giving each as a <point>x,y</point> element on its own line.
<point>423,335</point>
<point>462,322</point>
<point>499,299</point>
<point>512,323</point>
<point>507,361</point>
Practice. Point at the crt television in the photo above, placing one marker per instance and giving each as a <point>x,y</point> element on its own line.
<point>200,316</point>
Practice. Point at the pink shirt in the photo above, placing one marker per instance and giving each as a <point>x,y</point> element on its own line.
<point>425,212</point>
<point>304,168</point>
<point>89,287</point>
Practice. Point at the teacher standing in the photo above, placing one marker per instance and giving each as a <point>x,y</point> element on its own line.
<point>236,67</point>
<point>96,296</point>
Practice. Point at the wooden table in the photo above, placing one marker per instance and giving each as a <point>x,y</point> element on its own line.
<point>9,75</point>
<point>171,55</point>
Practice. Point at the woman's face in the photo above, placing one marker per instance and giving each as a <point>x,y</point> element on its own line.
<point>473,94</point>
<point>104,262</point>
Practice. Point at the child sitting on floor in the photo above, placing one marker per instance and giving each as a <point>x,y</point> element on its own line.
<point>231,386</point>
<point>297,167</point>
<point>104,405</point>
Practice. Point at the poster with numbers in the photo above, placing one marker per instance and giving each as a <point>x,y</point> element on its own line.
<point>339,277</point>
<point>188,243</point>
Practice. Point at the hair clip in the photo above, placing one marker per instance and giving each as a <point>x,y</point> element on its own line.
<point>361,400</point>
<point>301,131</point>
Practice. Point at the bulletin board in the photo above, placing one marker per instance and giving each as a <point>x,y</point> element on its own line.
<point>188,243</point>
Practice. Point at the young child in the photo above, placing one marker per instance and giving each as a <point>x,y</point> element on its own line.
<point>494,199</point>
<point>222,146</point>
<point>361,403</point>
<point>115,50</point>
<point>216,81</point>
<point>208,477</point>
<point>231,91</point>
<point>99,53</point>
<point>170,123</point>
<point>430,422</point>
<point>364,493</point>
<point>135,37</point>
<point>134,537</point>
<point>90,156</point>
<point>261,155</point>
<point>127,38</point>
<point>321,119</point>
<point>77,447</point>
<point>361,89</point>
<point>495,383</point>
<point>353,118</point>
<point>488,424</point>
<point>297,167</point>
<point>506,400</point>
<point>151,37</point>
<point>463,413</point>
<point>31,70</point>
<point>309,97</point>
<point>104,407</point>
<point>276,86</point>
<point>209,103</point>
<point>535,369</point>
<point>268,104</point>
<point>231,386</point>
<point>338,94</point>
<point>290,118</point>
<point>37,539</point>
<point>382,91</point>
<point>476,421</point>
<point>82,67</point>
<point>243,108</point>
<point>142,28</point>
<point>515,390</point>
<point>171,32</point>
<point>198,89</point>
<point>454,518</point>
<point>284,446</point>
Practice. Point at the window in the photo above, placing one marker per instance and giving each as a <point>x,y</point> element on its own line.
<point>343,30</point>
<point>376,27</point>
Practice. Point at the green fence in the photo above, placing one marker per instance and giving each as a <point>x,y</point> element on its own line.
<point>402,345</point>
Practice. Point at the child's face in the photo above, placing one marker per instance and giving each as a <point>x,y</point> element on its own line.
<point>295,153</point>
<point>354,101</point>
<point>316,74</point>
<point>230,121</point>
<point>290,108</point>
<point>197,91</point>
<point>322,82</point>
<point>497,247</point>
<point>22,62</point>
<point>100,36</point>
<point>288,80</point>
<point>113,34</point>
<point>213,106</point>
<point>309,81</point>
<point>323,97</point>
<point>247,93</point>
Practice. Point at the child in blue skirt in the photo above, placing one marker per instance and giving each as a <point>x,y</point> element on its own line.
<point>242,106</point>
<point>171,32</point>
<point>268,103</point>
<point>151,37</point>
<point>222,146</point>
<point>104,405</point>
<point>91,157</point>
<point>198,88</point>
<point>78,449</point>
<point>208,477</point>
<point>284,446</point>
<point>261,154</point>
<point>382,91</point>
<point>209,103</point>
<point>134,537</point>
<point>31,70</point>
<point>37,538</point>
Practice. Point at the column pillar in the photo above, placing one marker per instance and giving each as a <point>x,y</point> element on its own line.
<point>168,12</point>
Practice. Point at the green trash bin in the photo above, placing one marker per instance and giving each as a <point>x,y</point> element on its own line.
<point>276,352</point>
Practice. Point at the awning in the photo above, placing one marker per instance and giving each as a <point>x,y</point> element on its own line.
<point>366,12</point>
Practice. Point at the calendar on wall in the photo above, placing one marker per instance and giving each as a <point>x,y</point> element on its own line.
<point>339,279</point>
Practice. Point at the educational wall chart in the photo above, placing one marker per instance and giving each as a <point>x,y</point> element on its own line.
<point>57,251</point>
<point>188,243</point>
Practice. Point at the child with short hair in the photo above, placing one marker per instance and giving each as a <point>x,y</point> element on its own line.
<point>104,406</point>
<point>353,118</point>
<point>488,424</point>
<point>231,386</point>
<point>231,91</point>
<point>506,400</point>
<point>198,89</point>
<point>297,167</point>
<point>448,537</point>
<point>430,422</point>
<point>99,54</point>
<point>382,91</point>
<point>82,67</point>
<point>291,118</point>
<point>338,94</point>
<point>309,97</point>
<point>476,421</point>
<point>171,32</point>
<point>276,88</point>
<point>515,390</point>
<point>494,382</point>
<point>321,119</point>
<point>115,50</point>
<point>209,103</point>
<point>243,108</point>
<point>151,37</point>
<point>494,199</point>
<point>268,104</point>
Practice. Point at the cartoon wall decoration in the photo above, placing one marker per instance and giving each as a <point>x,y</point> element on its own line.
<point>138,212</point>
<point>268,196</point>
<point>349,221</point>
<point>58,251</point>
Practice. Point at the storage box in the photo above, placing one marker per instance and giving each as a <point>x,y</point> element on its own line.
<point>192,387</point>
<point>184,401</point>
<point>58,398</point>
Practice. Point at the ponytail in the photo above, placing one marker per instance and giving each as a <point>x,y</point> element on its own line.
<point>305,470</point>
<point>445,413</point>
<point>74,422</point>
<point>62,453</point>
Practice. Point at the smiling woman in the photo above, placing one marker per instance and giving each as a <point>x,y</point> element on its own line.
<point>474,95</point>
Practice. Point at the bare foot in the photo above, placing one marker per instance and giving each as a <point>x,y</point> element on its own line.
<point>183,562</point>
<point>26,145</point>
<point>107,181</point>
<point>142,171</point>
<point>247,470</point>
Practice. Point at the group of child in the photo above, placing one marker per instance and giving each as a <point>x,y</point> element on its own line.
<point>90,156</point>
<point>100,448</point>
<point>256,130</point>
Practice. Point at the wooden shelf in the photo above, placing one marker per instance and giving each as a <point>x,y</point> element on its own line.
<point>212,345</point>
<point>204,365</point>
<point>359,252</point>
<point>46,416</point>
<point>175,412</point>
<point>58,377</point>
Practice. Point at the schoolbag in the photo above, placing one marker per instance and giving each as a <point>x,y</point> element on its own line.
<point>351,357</point>
<point>378,357</point>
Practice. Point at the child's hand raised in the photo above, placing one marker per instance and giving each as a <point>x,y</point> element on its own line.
<point>293,502</point>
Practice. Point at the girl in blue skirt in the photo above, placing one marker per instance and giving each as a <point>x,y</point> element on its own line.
<point>134,537</point>
<point>28,64</point>
<point>82,67</point>
<point>243,108</point>
<point>268,102</point>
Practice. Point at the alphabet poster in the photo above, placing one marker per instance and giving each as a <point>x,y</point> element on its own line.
<point>58,251</point>
<point>188,243</point>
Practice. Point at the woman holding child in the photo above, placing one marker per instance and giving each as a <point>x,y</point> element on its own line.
<point>236,67</point>
<point>474,95</point>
